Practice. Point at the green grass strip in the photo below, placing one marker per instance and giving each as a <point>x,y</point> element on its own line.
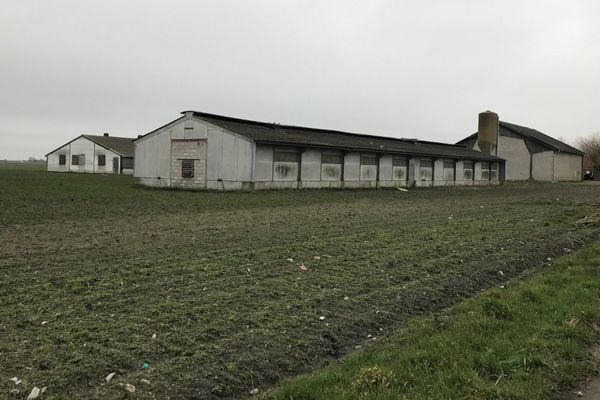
<point>526,341</point>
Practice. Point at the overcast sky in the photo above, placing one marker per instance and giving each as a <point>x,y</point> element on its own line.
<point>421,69</point>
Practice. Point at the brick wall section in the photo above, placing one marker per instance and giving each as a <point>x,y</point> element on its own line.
<point>188,149</point>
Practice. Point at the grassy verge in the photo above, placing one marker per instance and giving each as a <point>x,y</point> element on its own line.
<point>526,341</point>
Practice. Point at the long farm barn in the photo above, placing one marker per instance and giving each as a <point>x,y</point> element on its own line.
<point>208,151</point>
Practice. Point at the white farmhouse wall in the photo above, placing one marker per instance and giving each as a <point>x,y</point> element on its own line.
<point>53,163</point>
<point>85,147</point>
<point>109,157</point>
<point>90,152</point>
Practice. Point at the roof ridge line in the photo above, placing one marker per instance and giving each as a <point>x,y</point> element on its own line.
<point>299,127</point>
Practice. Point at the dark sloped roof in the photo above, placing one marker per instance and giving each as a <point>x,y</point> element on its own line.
<point>121,145</point>
<point>264,132</point>
<point>536,136</point>
<point>541,137</point>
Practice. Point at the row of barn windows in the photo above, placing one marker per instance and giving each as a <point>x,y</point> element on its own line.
<point>489,171</point>
<point>79,159</point>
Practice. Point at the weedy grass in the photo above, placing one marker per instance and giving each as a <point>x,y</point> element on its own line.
<point>527,341</point>
<point>92,267</point>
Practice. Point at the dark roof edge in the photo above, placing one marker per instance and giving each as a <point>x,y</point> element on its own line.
<point>465,139</point>
<point>507,125</point>
<point>271,125</point>
<point>474,156</point>
<point>572,150</point>
<point>91,138</point>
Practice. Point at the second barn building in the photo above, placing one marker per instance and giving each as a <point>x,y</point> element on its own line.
<point>208,151</point>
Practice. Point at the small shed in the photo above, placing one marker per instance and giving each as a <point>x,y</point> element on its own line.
<point>103,154</point>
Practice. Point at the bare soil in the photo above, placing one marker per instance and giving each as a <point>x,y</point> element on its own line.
<point>92,267</point>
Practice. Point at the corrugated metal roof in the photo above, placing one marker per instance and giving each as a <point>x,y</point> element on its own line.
<point>121,145</point>
<point>264,132</point>
<point>537,136</point>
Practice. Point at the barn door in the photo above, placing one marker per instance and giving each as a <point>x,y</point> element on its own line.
<point>116,165</point>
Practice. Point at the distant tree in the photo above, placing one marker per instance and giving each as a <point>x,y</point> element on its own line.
<point>590,145</point>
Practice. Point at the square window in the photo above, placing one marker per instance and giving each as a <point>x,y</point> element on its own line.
<point>62,159</point>
<point>101,160</point>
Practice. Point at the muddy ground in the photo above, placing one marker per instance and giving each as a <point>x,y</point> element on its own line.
<point>243,289</point>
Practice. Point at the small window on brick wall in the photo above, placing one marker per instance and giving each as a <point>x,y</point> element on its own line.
<point>101,160</point>
<point>62,159</point>
<point>187,168</point>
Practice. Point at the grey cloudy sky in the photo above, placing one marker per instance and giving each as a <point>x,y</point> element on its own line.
<point>398,68</point>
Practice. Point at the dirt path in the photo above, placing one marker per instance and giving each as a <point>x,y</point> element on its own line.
<point>590,389</point>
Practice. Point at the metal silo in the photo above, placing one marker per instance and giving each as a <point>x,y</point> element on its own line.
<point>487,134</point>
